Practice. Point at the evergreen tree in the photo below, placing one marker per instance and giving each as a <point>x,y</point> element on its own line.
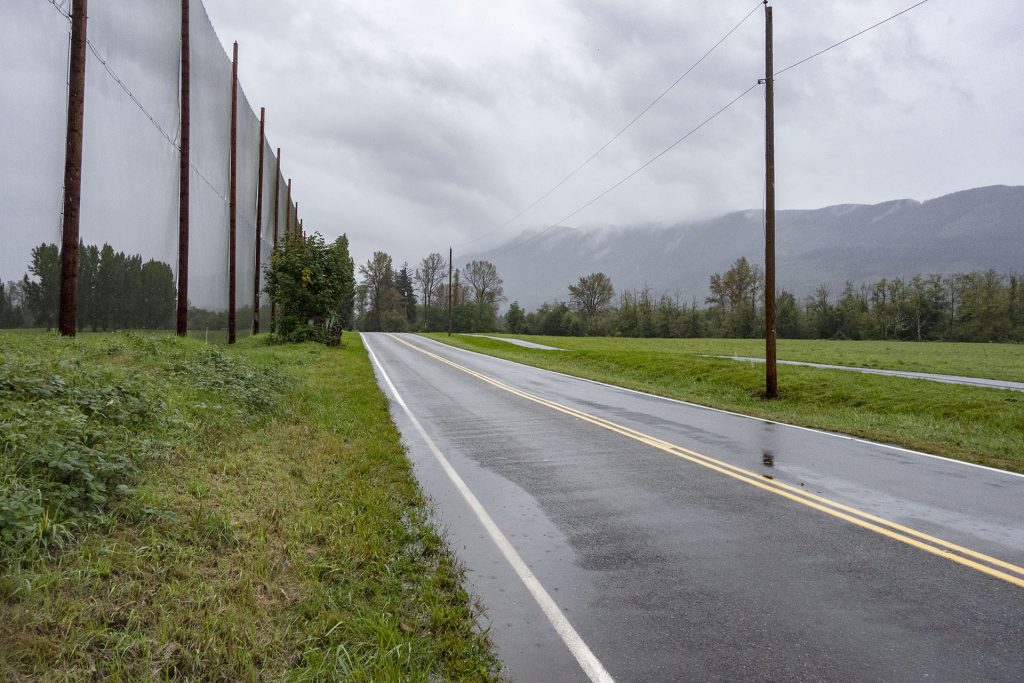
<point>788,324</point>
<point>406,293</point>
<point>515,319</point>
<point>42,294</point>
<point>106,287</point>
<point>157,296</point>
<point>384,311</point>
<point>88,272</point>
<point>344,267</point>
<point>7,314</point>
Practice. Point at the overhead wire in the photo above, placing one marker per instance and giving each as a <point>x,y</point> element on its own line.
<point>617,135</point>
<point>60,7</point>
<point>594,200</point>
<point>848,39</point>
<point>640,168</point>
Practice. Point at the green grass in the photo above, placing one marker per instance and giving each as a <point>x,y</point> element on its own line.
<point>213,336</point>
<point>262,523</point>
<point>979,425</point>
<point>991,361</point>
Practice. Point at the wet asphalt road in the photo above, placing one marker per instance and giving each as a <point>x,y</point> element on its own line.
<point>670,569</point>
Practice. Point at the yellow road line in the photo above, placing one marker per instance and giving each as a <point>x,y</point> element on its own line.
<point>930,544</point>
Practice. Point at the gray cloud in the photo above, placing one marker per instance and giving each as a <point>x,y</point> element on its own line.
<point>455,117</point>
<point>414,125</point>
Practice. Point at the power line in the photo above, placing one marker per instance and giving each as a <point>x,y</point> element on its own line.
<point>647,163</point>
<point>621,131</point>
<point>694,130</point>
<point>849,38</point>
<point>60,7</point>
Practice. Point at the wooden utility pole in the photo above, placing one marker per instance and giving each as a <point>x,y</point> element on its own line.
<point>277,223</point>
<point>289,230</point>
<point>233,197</point>
<point>67,312</point>
<point>771,374</point>
<point>449,291</point>
<point>277,200</point>
<point>184,173</point>
<point>259,225</point>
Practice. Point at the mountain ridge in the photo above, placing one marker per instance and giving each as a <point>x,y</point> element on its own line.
<point>972,229</point>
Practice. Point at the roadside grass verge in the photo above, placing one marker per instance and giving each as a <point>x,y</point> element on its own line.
<point>261,523</point>
<point>984,426</point>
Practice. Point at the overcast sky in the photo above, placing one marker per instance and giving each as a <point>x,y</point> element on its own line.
<point>413,125</point>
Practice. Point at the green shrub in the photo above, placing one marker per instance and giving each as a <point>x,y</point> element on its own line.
<point>313,285</point>
<point>80,419</point>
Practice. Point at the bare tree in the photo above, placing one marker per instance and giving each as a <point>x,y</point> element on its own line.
<point>429,275</point>
<point>592,294</point>
<point>483,279</point>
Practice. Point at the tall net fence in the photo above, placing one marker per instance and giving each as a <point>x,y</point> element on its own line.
<point>35,50</point>
<point>129,215</point>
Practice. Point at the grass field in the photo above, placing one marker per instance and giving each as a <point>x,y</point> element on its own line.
<point>985,426</point>
<point>992,361</point>
<point>174,510</point>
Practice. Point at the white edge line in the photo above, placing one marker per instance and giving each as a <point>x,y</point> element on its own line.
<point>587,659</point>
<point>729,412</point>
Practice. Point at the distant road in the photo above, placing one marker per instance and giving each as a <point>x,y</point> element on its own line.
<point>948,379</point>
<point>518,342</point>
<point>613,535</point>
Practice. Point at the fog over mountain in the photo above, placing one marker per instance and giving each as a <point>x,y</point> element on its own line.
<point>975,229</point>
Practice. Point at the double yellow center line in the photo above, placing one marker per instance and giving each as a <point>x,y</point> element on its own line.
<point>985,564</point>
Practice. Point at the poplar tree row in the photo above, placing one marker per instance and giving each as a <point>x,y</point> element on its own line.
<point>115,291</point>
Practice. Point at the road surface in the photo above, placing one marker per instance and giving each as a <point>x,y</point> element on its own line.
<point>612,535</point>
<point>518,342</point>
<point>930,376</point>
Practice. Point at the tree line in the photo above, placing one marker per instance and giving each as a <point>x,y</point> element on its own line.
<point>416,299</point>
<point>980,306</point>
<point>311,282</point>
<point>315,285</point>
<point>115,291</point>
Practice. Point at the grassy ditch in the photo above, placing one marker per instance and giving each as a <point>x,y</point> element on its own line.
<point>172,510</point>
<point>979,425</point>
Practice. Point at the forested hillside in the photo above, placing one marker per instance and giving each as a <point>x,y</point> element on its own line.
<point>973,230</point>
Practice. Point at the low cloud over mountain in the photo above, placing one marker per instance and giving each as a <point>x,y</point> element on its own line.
<point>970,230</point>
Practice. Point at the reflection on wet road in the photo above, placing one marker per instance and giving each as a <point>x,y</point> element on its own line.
<point>681,542</point>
